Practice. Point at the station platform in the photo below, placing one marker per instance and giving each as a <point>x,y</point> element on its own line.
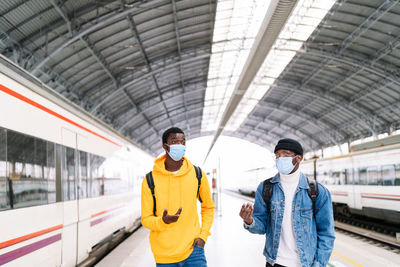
<point>231,245</point>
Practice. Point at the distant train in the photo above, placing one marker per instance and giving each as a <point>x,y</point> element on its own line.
<point>364,182</point>
<point>249,180</point>
<point>68,182</point>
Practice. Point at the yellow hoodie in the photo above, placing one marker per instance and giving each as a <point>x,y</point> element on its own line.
<point>172,242</point>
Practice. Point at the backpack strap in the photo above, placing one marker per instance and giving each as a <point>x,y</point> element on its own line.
<point>313,193</point>
<point>268,189</point>
<point>150,183</point>
<point>199,174</point>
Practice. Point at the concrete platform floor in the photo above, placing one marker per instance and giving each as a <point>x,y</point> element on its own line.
<point>232,246</point>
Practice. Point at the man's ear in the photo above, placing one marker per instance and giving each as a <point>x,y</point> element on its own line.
<point>299,158</point>
<point>165,147</point>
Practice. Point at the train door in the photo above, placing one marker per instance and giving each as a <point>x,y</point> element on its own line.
<point>68,156</point>
<point>84,189</point>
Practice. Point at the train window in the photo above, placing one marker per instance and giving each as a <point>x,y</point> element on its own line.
<point>27,160</point>
<point>83,175</point>
<point>50,172</point>
<point>323,177</point>
<point>96,175</point>
<point>68,160</point>
<point>373,175</point>
<point>397,179</point>
<point>343,177</point>
<point>349,176</point>
<point>335,177</point>
<point>4,201</point>
<point>114,181</point>
<point>356,176</point>
<point>362,176</point>
<point>388,174</point>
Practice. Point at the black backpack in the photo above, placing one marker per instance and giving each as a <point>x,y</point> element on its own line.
<point>268,189</point>
<point>150,182</point>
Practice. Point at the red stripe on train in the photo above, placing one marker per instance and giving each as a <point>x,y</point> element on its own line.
<point>55,114</point>
<point>29,236</point>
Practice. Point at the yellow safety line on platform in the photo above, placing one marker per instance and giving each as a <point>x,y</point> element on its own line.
<point>347,259</point>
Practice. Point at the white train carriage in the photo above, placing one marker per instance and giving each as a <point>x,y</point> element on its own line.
<point>250,179</point>
<point>67,180</point>
<point>365,182</point>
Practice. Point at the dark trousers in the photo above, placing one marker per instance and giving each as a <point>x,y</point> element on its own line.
<point>276,265</point>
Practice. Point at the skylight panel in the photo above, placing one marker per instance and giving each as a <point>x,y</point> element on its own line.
<point>301,24</point>
<point>236,26</point>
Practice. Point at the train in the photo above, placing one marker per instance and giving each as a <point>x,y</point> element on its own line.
<point>68,181</point>
<point>249,180</point>
<point>365,181</point>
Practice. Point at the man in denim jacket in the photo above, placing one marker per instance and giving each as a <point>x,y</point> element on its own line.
<point>294,235</point>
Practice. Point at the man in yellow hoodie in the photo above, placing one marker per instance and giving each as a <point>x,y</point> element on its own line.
<point>176,237</point>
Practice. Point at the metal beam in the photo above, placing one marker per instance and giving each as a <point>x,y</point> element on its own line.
<point>311,92</point>
<point>287,110</point>
<point>195,110</point>
<point>141,89</point>
<point>337,101</point>
<point>290,131</point>
<point>377,14</point>
<point>100,59</point>
<point>329,57</point>
<point>87,9</point>
<point>361,29</point>
<point>349,124</point>
<point>141,70</point>
<point>89,46</point>
<point>160,114</point>
<point>362,94</point>
<point>367,64</point>
<point>145,76</point>
<point>64,15</point>
<point>107,20</point>
<point>135,33</point>
<point>150,107</point>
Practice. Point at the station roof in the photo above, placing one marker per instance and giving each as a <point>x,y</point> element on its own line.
<point>329,72</point>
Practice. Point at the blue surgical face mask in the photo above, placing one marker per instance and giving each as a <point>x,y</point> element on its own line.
<point>176,152</point>
<point>285,165</point>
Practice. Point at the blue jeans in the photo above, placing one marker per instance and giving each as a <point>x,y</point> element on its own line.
<point>196,259</point>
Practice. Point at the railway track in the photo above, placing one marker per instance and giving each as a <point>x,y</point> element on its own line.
<point>383,239</point>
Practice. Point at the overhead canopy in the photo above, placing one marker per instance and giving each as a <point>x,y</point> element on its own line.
<point>342,84</point>
<point>143,66</point>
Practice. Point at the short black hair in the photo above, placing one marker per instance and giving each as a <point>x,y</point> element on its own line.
<point>170,131</point>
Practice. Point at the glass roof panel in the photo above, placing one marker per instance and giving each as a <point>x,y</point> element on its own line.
<point>236,26</point>
<point>303,21</point>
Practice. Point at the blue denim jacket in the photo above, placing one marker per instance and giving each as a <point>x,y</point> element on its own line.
<point>314,235</point>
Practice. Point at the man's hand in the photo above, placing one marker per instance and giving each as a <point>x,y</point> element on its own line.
<point>198,242</point>
<point>246,213</point>
<point>171,218</point>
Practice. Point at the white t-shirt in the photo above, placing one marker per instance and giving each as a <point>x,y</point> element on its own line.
<point>287,251</point>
